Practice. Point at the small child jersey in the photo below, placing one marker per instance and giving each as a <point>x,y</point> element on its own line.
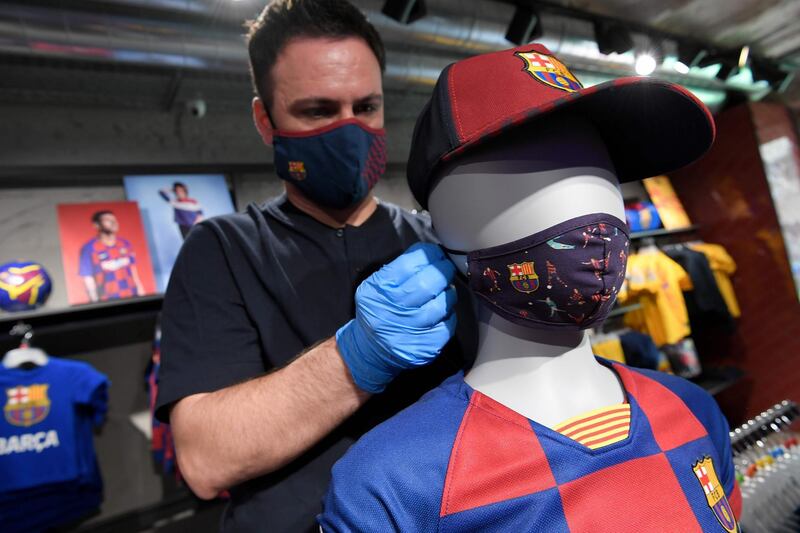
<point>459,461</point>
<point>110,266</point>
<point>187,210</point>
<point>48,468</point>
<point>46,431</point>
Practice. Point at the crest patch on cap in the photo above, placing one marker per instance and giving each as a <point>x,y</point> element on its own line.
<point>549,70</point>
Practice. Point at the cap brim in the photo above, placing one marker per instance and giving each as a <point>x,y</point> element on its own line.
<point>650,126</point>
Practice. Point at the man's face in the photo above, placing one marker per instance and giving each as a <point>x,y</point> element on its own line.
<point>180,192</point>
<point>318,81</point>
<point>108,224</point>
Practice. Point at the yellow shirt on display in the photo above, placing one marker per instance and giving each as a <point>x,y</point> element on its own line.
<point>723,266</point>
<point>610,348</point>
<point>657,283</point>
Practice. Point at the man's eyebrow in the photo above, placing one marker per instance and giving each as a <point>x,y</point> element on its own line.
<point>373,97</point>
<point>313,101</point>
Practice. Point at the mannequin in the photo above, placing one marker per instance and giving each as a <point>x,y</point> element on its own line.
<point>520,167</point>
<point>535,179</point>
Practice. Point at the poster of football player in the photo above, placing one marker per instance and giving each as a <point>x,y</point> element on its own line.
<point>104,251</point>
<point>170,206</point>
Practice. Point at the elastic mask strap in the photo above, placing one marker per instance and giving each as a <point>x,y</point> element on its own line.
<point>451,251</point>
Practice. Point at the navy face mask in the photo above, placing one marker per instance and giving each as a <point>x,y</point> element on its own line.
<point>564,277</point>
<point>336,165</point>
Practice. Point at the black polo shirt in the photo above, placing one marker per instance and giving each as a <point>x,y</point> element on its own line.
<point>249,292</point>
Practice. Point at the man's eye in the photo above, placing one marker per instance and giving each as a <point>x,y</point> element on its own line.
<point>365,108</point>
<point>317,112</point>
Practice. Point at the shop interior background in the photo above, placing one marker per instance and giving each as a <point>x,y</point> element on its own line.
<point>93,91</point>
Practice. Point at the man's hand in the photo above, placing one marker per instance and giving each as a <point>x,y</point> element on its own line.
<point>404,317</point>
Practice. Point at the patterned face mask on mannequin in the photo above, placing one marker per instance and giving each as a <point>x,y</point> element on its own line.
<point>334,166</point>
<point>565,277</point>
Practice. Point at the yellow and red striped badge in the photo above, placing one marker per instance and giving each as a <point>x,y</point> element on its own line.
<point>599,427</point>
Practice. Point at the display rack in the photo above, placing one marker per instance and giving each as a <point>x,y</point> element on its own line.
<point>715,380</point>
<point>763,424</point>
<point>46,316</point>
<point>663,232</point>
<point>177,512</point>
<point>619,311</point>
<point>81,327</point>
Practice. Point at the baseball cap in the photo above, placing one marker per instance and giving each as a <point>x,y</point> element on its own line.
<point>649,126</point>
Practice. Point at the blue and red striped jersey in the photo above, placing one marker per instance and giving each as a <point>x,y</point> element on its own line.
<point>459,461</point>
<point>110,266</point>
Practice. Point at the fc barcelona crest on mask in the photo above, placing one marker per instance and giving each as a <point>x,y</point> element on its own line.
<point>26,406</point>
<point>549,70</point>
<point>715,494</point>
<point>523,277</point>
<point>297,170</point>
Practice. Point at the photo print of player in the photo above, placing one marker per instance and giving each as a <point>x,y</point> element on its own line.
<point>188,211</point>
<point>104,251</point>
<point>170,206</point>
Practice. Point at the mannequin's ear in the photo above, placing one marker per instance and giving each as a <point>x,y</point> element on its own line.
<point>261,120</point>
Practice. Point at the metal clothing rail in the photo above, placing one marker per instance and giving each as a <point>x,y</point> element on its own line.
<point>768,422</point>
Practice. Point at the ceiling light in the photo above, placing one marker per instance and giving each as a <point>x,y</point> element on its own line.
<point>612,37</point>
<point>404,11</point>
<point>525,26</point>
<point>645,64</point>
<point>743,55</point>
<point>681,67</point>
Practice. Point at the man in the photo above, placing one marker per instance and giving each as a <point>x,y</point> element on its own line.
<point>188,211</point>
<point>272,290</point>
<point>108,262</point>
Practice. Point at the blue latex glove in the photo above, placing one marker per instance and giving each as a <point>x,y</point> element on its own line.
<point>404,317</point>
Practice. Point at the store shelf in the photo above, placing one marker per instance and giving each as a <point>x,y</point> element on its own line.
<point>716,380</point>
<point>180,512</point>
<point>83,312</point>
<point>84,327</point>
<point>663,232</point>
<point>617,311</point>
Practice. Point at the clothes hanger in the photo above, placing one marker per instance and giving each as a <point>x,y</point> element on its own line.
<point>648,246</point>
<point>25,356</point>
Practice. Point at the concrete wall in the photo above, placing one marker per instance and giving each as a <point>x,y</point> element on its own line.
<point>49,136</point>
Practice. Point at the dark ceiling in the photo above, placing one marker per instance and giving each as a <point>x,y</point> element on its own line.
<point>160,53</point>
<point>770,27</point>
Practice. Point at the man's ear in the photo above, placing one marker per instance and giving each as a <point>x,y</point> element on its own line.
<point>261,120</point>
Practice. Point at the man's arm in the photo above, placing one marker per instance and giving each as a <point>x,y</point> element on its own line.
<point>247,430</point>
<point>91,288</point>
<point>136,280</point>
<point>403,319</point>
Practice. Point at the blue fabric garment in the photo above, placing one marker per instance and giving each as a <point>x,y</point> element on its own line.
<point>48,470</point>
<point>459,461</point>
<point>640,350</point>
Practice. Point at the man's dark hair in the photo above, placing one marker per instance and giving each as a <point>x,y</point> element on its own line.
<point>283,20</point>
<point>99,214</point>
<point>181,185</point>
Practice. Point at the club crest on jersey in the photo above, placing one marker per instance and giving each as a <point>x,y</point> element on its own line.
<point>297,170</point>
<point>715,494</point>
<point>523,277</point>
<point>26,406</point>
<point>549,70</point>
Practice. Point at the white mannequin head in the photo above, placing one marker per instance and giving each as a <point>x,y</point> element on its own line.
<point>524,182</point>
<point>521,183</point>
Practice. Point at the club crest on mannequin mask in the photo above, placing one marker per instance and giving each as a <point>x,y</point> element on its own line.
<point>566,277</point>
